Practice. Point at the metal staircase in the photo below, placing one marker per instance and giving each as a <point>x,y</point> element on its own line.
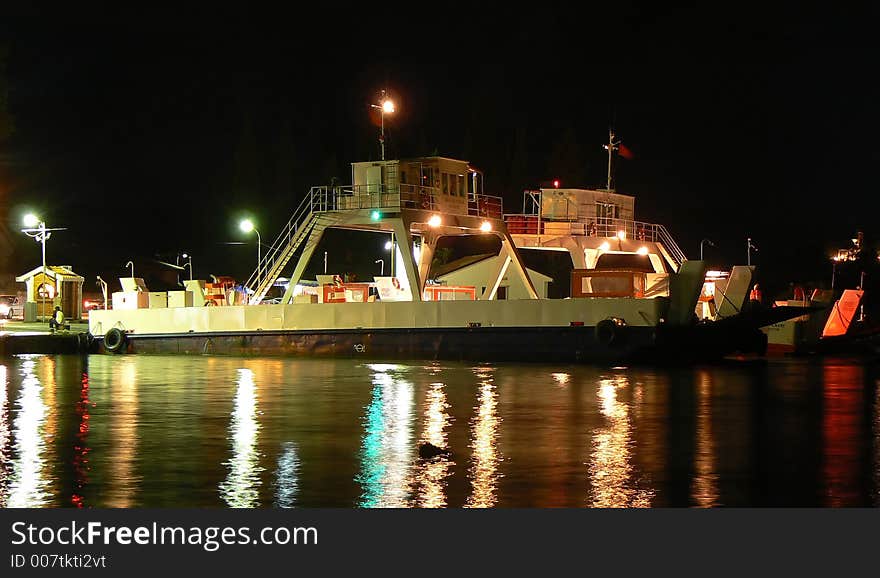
<point>288,241</point>
<point>669,244</point>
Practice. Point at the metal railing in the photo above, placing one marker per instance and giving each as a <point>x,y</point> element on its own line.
<point>282,249</point>
<point>532,224</point>
<point>404,196</point>
<point>353,197</point>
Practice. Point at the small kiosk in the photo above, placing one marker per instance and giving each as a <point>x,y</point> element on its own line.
<point>58,285</point>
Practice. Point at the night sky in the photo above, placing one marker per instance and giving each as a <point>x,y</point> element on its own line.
<point>149,133</point>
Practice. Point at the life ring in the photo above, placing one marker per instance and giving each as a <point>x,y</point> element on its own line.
<point>114,340</point>
<point>610,332</point>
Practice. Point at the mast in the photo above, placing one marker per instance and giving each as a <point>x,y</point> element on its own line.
<point>610,147</point>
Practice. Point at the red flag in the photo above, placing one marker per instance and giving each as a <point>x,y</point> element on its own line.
<point>625,152</point>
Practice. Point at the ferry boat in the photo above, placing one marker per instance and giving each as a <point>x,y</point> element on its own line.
<point>634,295</point>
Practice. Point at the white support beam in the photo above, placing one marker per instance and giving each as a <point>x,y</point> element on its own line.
<point>404,245</point>
<point>311,244</point>
<point>495,280</point>
<point>509,248</point>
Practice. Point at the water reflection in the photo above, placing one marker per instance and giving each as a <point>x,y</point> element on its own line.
<point>387,449</point>
<point>81,449</point>
<point>4,435</point>
<point>485,454</point>
<point>841,424</point>
<point>877,443</point>
<point>614,484</point>
<point>28,487</point>
<point>241,487</point>
<point>124,398</point>
<point>287,476</point>
<point>432,473</point>
<point>704,488</point>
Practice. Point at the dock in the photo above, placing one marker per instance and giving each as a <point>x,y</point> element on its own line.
<point>17,337</point>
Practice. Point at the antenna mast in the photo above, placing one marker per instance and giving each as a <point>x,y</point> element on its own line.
<point>610,147</point>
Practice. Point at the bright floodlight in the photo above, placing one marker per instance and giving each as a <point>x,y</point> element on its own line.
<point>31,220</point>
<point>604,246</point>
<point>247,225</point>
<point>485,226</point>
<point>388,106</point>
<point>434,221</point>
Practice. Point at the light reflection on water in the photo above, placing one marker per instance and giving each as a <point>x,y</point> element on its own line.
<point>28,488</point>
<point>240,489</point>
<point>705,484</point>
<point>485,452</point>
<point>432,473</point>
<point>615,483</point>
<point>387,451</point>
<point>160,431</point>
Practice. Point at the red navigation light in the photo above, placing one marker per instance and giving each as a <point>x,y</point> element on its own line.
<point>556,183</point>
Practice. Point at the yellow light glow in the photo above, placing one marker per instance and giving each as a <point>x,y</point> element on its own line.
<point>604,246</point>
<point>388,106</point>
<point>247,225</point>
<point>434,221</point>
<point>621,235</point>
<point>486,226</point>
<point>642,251</point>
<point>31,220</point>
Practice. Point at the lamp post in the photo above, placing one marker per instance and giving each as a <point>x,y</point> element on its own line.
<point>749,247</point>
<point>834,261</point>
<point>189,263</point>
<point>36,229</point>
<point>247,226</point>
<point>389,246</point>
<point>385,106</point>
<point>708,242</point>
<point>381,267</point>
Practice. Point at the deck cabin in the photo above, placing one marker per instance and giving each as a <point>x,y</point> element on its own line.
<point>612,254</point>
<point>418,201</point>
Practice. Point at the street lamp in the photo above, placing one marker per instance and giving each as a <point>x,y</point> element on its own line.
<point>708,242</point>
<point>36,229</point>
<point>389,246</point>
<point>189,263</point>
<point>385,106</point>
<point>834,261</point>
<point>247,226</point>
<point>381,267</point>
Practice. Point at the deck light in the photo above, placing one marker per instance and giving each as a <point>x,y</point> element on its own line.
<point>642,251</point>
<point>375,215</point>
<point>388,245</point>
<point>486,226</point>
<point>621,235</point>
<point>434,221</point>
<point>604,246</point>
<point>31,220</point>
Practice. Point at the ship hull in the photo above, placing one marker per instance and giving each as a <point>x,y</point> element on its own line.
<point>478,344</point>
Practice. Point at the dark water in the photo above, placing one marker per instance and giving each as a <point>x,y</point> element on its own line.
<point>167,431</point>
